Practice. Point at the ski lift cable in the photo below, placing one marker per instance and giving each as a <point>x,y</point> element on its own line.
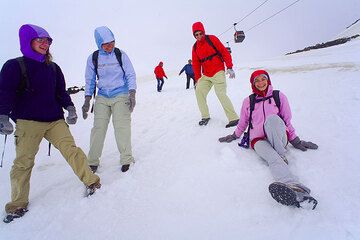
<point>272,16</point>
<point>244,17</point>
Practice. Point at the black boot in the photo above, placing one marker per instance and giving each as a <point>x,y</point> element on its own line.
<point>93,168</point>
<point>17,214</point>
<point>125,167</point>
<point>232,123</point>
<point>287,195</point>
<point>90,190</point>
<point>204,121</point>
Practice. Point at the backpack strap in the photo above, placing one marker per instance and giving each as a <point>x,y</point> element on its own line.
<point>207,38</point>
<point>24,81</point>
<point>95,57</point>
<point>252,107</point>
<point>118,57</point>
<point>217,53</point>
<point>276,97</point>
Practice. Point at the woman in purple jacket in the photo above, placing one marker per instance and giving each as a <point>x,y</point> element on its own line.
<point>270,131</point>
<point>35,102</point>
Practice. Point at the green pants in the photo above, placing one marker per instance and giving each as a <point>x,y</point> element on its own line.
<point>118,108</point>
<point>28,136</point>
<point>203,88</point>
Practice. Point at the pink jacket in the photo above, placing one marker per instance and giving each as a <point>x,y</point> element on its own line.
<point>261,111</point>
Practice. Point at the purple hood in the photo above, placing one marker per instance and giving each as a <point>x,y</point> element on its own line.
<point>27,33</point>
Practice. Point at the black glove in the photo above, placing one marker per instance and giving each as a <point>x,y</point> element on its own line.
<point>228,138</point>
<point>303,145</point>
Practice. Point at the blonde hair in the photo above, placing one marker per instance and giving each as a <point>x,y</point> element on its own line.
<point>48,57</point>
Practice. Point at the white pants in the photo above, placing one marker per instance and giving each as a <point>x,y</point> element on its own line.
<point>118,107</point>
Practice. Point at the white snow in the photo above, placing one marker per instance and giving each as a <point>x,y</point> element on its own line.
<point>350,31</point>
<point>187,185</point>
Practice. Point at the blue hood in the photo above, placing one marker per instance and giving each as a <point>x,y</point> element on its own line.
<point>103,35</point>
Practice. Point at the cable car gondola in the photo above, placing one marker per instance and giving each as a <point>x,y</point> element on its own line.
<point>239,36</point>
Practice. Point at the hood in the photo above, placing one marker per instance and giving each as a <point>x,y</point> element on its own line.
<point>27,33</point>
<point>161,64</point>
<point>103,35</point>
<point>252,78</point>
<point>198,26</point>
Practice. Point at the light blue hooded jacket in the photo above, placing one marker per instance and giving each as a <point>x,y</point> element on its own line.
<point>112,81</point>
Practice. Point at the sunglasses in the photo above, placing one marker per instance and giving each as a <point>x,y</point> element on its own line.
<point>198,34</point>
<point>43,40</point>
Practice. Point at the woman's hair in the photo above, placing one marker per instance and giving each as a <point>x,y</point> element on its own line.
<point>48,57</point>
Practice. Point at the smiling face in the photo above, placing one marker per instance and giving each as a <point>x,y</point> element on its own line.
<point>108,47</point>
<point>41,45</point>
<point>261,82</point>
<point>198,35</point>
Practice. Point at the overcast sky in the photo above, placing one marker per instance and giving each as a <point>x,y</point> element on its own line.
<point>159,30</point>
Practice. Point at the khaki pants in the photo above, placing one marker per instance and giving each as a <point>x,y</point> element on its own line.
<point>118,107</point>
<point>203,88</point>
<point>28,136</point>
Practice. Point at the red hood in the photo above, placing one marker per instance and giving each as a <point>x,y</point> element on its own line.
<point>198,26</point>
<point>252,78</point>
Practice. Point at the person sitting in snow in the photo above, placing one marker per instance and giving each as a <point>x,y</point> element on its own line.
<point>37,109</point>
<point>160,75</point>
<point>269,131</point>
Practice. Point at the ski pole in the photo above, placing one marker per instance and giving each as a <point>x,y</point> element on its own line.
<point>3,153</point>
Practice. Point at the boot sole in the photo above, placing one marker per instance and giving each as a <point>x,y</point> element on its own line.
<point>283,194</point>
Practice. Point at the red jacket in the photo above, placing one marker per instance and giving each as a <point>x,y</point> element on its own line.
<point>159,71</point>
<point>203,49</point>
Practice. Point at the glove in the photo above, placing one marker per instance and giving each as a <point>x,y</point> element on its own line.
<point>86,106</point>
<point>72,117</point>
<point>303,145</point>
<point>6,128</point>
<point>132,100</point>
<point>228,138</point>
<point>231,73</point>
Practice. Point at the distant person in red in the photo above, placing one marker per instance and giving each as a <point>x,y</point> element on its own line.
<point>209,56</point>
<point>160,74</point>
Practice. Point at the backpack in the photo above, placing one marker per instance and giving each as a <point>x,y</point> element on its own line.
<point>24,85</point>
<point>217,53</point>
<point>95,58</point>
<point>245,141</point>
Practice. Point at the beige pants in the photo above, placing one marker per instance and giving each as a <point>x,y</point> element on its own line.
<point>118,107</point>
<point>28,136</point>
<point>203,88</point>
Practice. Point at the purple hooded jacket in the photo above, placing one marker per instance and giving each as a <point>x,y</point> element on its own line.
<point>46,95</point>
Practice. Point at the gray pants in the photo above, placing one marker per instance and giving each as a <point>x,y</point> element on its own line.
<point>118,108</point>
<point>273,148</point>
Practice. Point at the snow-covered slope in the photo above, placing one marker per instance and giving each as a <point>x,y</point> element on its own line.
<point>352,30</point>
<point>187,185</point>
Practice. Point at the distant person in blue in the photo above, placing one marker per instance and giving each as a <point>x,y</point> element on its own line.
<point>189,73</point>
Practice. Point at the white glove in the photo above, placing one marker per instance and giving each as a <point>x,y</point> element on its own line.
<point>231,73</point>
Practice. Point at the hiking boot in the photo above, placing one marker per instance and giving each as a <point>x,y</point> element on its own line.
<point>292,195</point>
<point>18,213</point>
<point>90,190</point>
<point>204,121</point>
<point>125,167</point>
<point>93,168</point>
<point>232,123</point>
